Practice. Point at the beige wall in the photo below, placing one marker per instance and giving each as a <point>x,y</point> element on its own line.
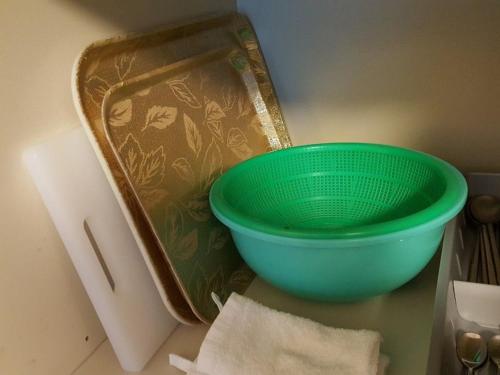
<point>417,73</point>
<point>45,314</point>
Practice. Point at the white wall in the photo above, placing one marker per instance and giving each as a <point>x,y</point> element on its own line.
<point>417,73</point>
<point>45,314</point>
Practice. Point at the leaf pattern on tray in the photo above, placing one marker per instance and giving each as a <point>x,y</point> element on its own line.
<point>146,170</point>
<point>213,111</point>
<point>198,208</point>
<point>187,246</point>
<point>193,135</point>
<point>213,116</point>
<point>96,88</point>
<point>218,238</point>
<point>238,143</point>
<point>152,169</point>
<point>174,225</point>
<point>123,63</point>
<point>216,129</point>
<point>184,170</point>
<point>181,245</point>
<point>160,117</point>
<point>241,278</point>
<point>183,93</point>
<point>132,156</point>
<point>120,113</point>
<point>228,98</point>
<point>212,165</point>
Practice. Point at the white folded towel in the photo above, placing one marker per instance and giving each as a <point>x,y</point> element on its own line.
<point>248,338</point>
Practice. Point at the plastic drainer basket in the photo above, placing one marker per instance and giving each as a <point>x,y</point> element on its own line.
<point>335,197</point>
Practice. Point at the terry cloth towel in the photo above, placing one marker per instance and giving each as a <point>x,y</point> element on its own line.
<point>248,338</point>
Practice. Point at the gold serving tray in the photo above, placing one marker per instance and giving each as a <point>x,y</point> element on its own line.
<point>106,63</point>
<point>174,131</point>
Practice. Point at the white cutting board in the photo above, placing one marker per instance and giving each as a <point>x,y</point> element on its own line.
<point>97,237</point>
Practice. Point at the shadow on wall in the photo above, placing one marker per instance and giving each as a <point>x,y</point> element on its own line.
<point>130,15</point>
<point>415,73</point>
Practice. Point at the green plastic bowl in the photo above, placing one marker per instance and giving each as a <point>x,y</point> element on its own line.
<point>339,221</point>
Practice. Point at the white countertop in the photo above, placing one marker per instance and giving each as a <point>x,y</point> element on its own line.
<point>404,317</point>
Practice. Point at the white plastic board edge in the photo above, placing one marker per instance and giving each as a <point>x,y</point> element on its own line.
<point>129,307</point>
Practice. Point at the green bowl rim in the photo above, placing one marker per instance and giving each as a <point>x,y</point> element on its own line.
<point>438,213</point>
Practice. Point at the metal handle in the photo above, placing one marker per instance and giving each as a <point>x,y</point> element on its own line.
<point>483,263</point>
<point>474,263</point>
<point>494,251</point>
<point>488,252</point>
<point>98,254</point>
